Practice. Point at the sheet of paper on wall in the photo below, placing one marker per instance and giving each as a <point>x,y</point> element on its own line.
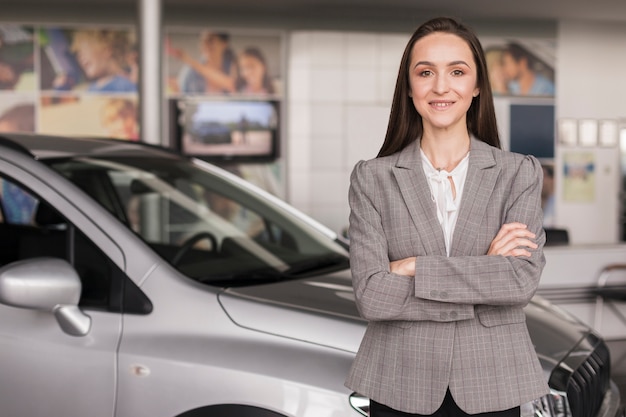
<point>568,132</point>
<point>588,132</point>
<point>608,133</point>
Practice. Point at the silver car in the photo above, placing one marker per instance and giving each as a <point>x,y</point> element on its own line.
<point>136,282</point>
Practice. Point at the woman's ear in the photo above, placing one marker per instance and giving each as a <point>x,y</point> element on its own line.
<point>476,92</point>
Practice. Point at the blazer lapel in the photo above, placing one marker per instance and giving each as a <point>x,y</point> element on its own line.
<point>417,197</point>
<point>482,175</point>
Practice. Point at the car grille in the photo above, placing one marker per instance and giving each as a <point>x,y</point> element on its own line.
<point>588,383</point>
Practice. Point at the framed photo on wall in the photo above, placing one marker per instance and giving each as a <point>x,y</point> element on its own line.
<point>206,61</point>
<point>521,67</point>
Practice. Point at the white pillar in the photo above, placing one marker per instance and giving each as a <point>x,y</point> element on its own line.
<point>150,79</point>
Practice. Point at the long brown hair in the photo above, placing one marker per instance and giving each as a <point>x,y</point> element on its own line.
<point>405,123</point>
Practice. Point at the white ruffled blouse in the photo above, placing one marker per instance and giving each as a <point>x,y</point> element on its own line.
<point>446,201</point>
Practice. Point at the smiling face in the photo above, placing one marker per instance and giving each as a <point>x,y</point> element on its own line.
<point>443,81</point>
<point>94,57</point>
<point>253,72</point>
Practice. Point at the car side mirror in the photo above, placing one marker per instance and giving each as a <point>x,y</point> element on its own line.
<point>48,284</point>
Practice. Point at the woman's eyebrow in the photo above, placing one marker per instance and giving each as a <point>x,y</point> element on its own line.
<point>451,64</point>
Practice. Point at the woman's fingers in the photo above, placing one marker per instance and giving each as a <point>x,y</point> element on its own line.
<point>512,240</point>
<point>515,247</point>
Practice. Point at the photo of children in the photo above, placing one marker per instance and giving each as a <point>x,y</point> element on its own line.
<point>88,59</point>
<point>207,62</point>
<point>17,58</point>
<point>521,67</point>
<point>120,117</point>
<point>91,115</point>
<point>254,78</point>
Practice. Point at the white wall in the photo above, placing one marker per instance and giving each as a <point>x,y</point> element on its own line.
<point>591,62</point>
<point>339,95</point>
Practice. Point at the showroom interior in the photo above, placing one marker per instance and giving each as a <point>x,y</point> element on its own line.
<point>332,66</point>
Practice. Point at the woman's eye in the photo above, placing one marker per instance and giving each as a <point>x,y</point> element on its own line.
<point>457,72</point>
<point>425,73</point>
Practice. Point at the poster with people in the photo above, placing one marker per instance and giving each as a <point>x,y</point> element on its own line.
<point>17,113</point>
<point>214,62</point>
<point>521,67</point>
<point>89,115</point>
<point>69,80</point>
<point>226,89</point>
<point>88,81</point>
<point>94,60</point>
<point>17,78</point>
<point>17,58</point>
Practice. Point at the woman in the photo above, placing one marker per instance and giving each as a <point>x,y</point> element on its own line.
<point>446,244</point>
<point>254,76</point>
<point>216,73</point>
<point>102,54</point>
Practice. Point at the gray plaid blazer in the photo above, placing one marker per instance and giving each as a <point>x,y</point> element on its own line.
<point>459,323</point>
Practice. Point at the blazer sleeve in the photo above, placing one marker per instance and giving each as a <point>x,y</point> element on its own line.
<point>381,295</point>
<point>492,280</point>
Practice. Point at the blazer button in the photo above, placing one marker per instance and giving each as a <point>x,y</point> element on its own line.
<point>434,293</point>
<point>443,315</point>
<point>443,295</point>
<point>453,315</point>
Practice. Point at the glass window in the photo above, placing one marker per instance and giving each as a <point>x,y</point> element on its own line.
<point>35,229</point>
<point>208,224</point>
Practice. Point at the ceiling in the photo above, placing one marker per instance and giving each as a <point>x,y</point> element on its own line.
<point>474,9</point>
<point>604,10</point>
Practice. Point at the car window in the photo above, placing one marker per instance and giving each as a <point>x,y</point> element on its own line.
<point>32,228</point>
<point>203,223</point>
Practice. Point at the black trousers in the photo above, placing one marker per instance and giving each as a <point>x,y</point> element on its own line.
<point>447,409</point>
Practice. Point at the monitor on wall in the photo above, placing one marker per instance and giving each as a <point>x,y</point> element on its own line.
<point>532,129</point>
<point>226,130</point>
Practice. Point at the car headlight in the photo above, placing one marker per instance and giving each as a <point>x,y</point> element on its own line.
<point>360,403</point>
<point>552,405</point>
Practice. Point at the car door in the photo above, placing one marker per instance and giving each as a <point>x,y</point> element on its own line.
<point>45,371</point>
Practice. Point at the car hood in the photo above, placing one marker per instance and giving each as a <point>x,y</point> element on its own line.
<point>322,310</point>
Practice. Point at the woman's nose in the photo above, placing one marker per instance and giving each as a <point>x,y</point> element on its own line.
<point>441,84</point>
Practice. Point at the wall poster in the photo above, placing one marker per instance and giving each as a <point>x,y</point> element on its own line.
<point>18,78</point>
<point>521,66</point>
<point>225,90</point>
<point>69,81</point>
<point>579,177</point>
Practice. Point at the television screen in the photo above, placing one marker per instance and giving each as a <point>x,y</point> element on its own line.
<point>532,130</point>
<point>226,129</point>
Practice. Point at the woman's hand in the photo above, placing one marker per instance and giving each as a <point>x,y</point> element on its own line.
<point>404,266</point>
<point>512,240</point>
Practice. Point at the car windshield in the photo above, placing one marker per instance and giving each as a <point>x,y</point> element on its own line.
<point>209,224</point>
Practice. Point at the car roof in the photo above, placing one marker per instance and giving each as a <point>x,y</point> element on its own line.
<point>53,147</point>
